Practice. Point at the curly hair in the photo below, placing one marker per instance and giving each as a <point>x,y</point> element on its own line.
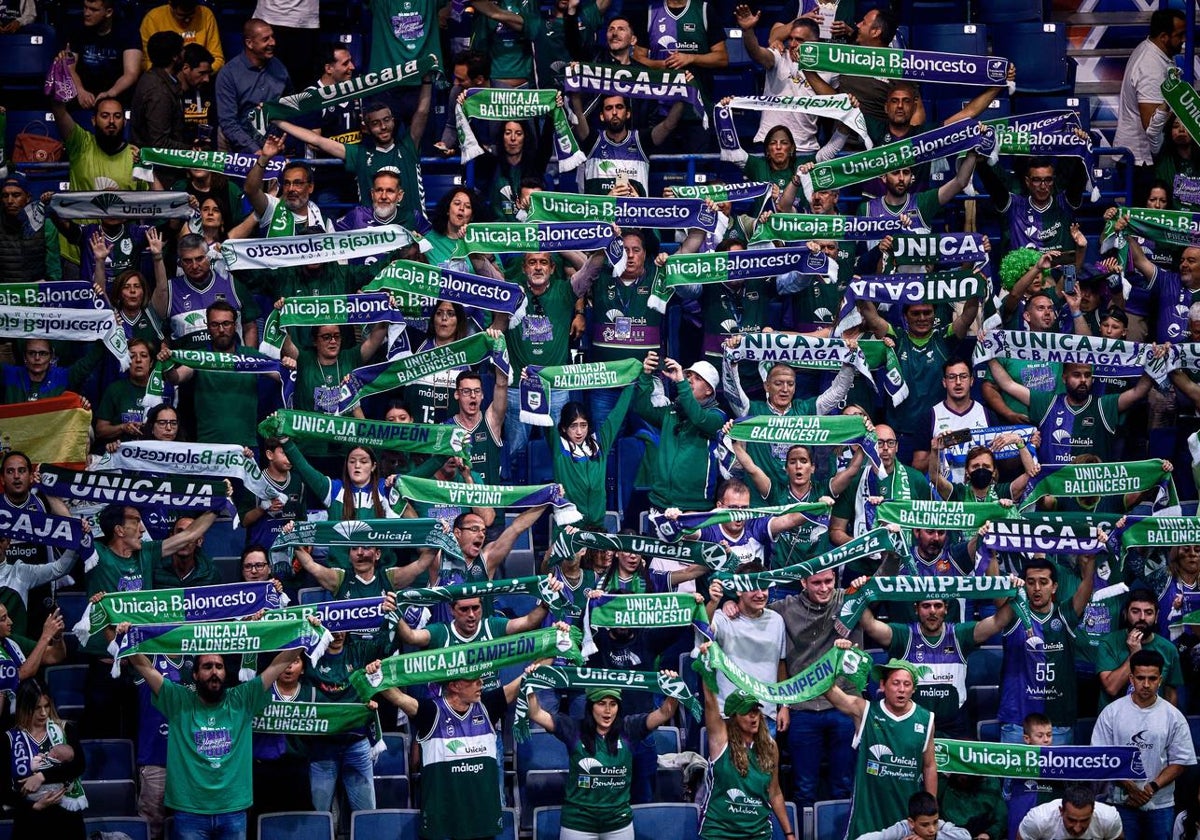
<point>765,752</point>
<point>1015,264</point>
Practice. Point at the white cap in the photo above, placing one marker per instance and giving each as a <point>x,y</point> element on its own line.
<point>707,372</point>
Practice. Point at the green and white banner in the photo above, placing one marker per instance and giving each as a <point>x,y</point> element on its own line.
<point>515,104</point>
<point>913,588</point>
<point>438,283</point>
<point>835,107</point>
<point>435,492</point>
<point>801,227</point>
<point>295,717</point>
<point>539,383</point>
<point>177,606</point>
<point>362,86</point>
<point>538,585</point>
<point>1023,761</point>
<point>873,543</point>
<point>1184,102</point>
<point>913,65</point>
<point>219,637</point>
<point>1160,531</point>
<point>229,164</point>
<point>310,248</point>
<point>853,665</point>
<point>710,555</point>
<point>1086,480</point>
<point>435,439</point>
<point>690,523</point>
<point>942,516</point>
<point>84,325</point>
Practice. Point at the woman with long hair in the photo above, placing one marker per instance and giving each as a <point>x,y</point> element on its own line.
<point>131,304</point>
<point>517,157</point>
<point>743,759</point>
<point>212,224</point>
<point>45,760</point>
<point>431,394</point>
<point>456,209</point>
<point>579,457</point>
<point>600,750</point>
<point>777,163</point>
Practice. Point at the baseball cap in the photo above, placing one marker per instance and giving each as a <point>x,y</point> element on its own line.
<point>603,694</point>
<point>705,371</point>
<point>15,179</point>
<point>879,673</point>
<point>738,703</point>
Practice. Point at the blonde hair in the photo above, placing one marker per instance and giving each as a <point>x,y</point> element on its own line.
<point>765,751</point>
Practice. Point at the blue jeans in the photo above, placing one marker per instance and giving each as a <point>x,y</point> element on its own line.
<point>516,433</point>
<point>188,826</point>
<point>350,760</point>
<point>1146,825</point>
<point>813,736</point>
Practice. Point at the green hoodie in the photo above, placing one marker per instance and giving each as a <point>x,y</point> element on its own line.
<point>684,471</point>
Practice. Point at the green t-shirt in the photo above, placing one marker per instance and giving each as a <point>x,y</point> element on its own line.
<point>403,30</point>
<point>756,168</point>
<point>365,159</point>
<point>1114,651</point>
<point>738,806</point>
<point>544,336</point>
<point>227,406</point>
<point>209,751</point>
<point>1042,377</point>
<point>511,49</point>
<point>318,385</point>
<point>122,403</point>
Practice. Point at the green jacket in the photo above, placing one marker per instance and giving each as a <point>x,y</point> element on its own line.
<point>684,469</point>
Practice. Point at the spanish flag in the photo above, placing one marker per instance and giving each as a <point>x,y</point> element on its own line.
<point>51,431</point>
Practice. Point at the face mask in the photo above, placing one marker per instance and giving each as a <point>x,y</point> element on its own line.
<point>981,478</point>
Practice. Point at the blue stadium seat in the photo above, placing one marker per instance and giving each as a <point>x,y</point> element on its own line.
<point>436,184</point>
<point>296,825</point>
<point>353,42</point>
<point>72,605</point>
<point>66,686</point>
<point>1083,730</point>
<point>547,823</point>
<point>965,38</point>
<point>541,752</point>
<point>1040,50</point>
<point>537,789</point>
<point>314,595</point>
<point>831,818</point>
<point>735,47</point>
<point>983,701</point>
<point>612,521</point>
<point>136,827</point>
<point>385,824</point>
<point>666,821</point>
<point>1008,11</point>
<point>666,740</point>
<point>393,761</point>
<point>541,469</point>
<point>950,11</point>
<point>27,59</point>
<point>515,604</point>
<point>391,791</point>
<point>1081,105</point>
<point>6,829</point>
<point>777,829</point>
<point>988,730</point>
<point>983,666</point>
<point>108,758</point>
<point>116,798</point>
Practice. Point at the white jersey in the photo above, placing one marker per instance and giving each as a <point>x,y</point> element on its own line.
<point>946,419</point>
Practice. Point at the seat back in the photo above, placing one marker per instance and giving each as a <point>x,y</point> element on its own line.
<point>831,818</point>
<point>296,825</point>
<point>108,758</point>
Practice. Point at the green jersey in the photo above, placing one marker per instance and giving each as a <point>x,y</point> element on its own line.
<point>888,769</point>
<point>404,30</point>
<point>737,807</point>
<point>511,49</point>
<point>544,336</point>
<point>227,406</point>
<point>486,448</point>
<point>943,688</point>
<point>623,324</point>
<point>806,540</point>
<point>1114,651</point>
<point>771,458</point>
<point>122,403</point>
<point>209,758</point>
<point>318,384</point>
<point>596,800</point>
<point>365,159</point>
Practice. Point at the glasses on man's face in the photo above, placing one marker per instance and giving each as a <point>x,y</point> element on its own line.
<point>254,567</point>
<point>1041,179</point>
<point>473,529</point>
<point>887,443</point>
<point>471,392</point>
<point>221,325</point>
<point>956,377</point>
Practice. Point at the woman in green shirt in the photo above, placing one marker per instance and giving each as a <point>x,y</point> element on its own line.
<point>776,164</point>
<point>580,459</point>
<point>743,772</point>
<point>600,752</point>
<point>454,211</point>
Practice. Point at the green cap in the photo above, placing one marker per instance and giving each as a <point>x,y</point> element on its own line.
<point>739,702</point>
<point>879,673</point>
<point>603,693</point>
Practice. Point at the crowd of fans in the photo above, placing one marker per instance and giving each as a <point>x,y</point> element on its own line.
<point>1127,659</point>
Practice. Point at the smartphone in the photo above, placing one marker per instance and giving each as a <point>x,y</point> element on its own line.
<point>1064,258</point>
<point>956,437</point>
<point>1068,273</point>
<point>622,181</point>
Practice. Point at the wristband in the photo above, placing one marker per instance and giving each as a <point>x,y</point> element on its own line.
<point>1154,786</point>
<point>1020,444</point>
<point>1075,315</point>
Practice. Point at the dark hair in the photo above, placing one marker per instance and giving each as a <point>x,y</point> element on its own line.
<point>1141,595</point>
<point>1079,796</point>
<point>328,54</point>
<point>164,47</point>
<point>1035,719</point>
<point>1157,184</point>
<point>109,518</point>
<point>791,161</point>
<point>1117,314</point>
<point>888,23</point>
<point>460,330</point>
<point>373,105</point>
<point>922,804</point>
<point>1162,22</point>
<point>29,693</point>
<point>1145,658</point>
<point>195,54</point>
<point>220,306</point>
<point>297,164</point>
<point>250,25</point>
<point>734,484</point>
<point>807,450</point>
<point>532,182</point>
<point>1038,294</point>
<point>975,451</point>
<point>1039,163</point>
<point>806,23</point>
<point>271,444</point>
<point>251,549</point>
<point>478,63</point>
<point>152,418</point>
<point>141,342</point>
<point>464,375</point>
<point>949,363</point>
<point>1039,563</point>
<point>572,411</point>
<point>119,283</point>
<point>609,581</point>
<point>101,100</point>
<point>349,511</point>
<point>588,733</point>
<point>440,217</point>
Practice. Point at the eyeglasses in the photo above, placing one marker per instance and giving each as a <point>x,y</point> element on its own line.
<point>329,337</point>
<point>956,377</point>
<point>255,567</point>
<point>221,325</point>
<point>37,354</point>
<point>1041,180</point>
<point>170,424</point>
<point>890,443</point>
<point>473,529</point>
<point>471,392</point>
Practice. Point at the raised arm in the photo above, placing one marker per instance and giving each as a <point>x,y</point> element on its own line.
<point>278,665</point>
<point>961,179</point>
<point>330,147</point>
<point>327,578</point>
<point>142,664</point>
<point>272,146</point>
<point>49,650</point>
<point>746,21</point>
<point>190,535</point>
<point>1007,384</point>
<point>420,117</point>
<point>496,551</point>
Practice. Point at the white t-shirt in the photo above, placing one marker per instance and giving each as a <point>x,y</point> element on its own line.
<point>787,79</point>
<point>1045,823</point>
<point>1144,74</point>
<point>755,644</point>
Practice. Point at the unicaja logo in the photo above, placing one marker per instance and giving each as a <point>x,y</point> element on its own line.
<point>348,528</point>
<point>808,55</point>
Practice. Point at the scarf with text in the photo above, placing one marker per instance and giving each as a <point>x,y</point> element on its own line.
<point>364,86</point>
<point>434,492</point>
<point>640,610</point>
<point>905,289</point>
<point>736,266</point>
<point>229,164</point>
<point>389,375</point>
<point>753,192</point>
<point>1186,189</point>
<point>792,227</point>
<point>914,588</point>
<point>224,460</point>
<point>942,516</point>
<point>1084,480</point>
<point>985,436</point>
<point>177,606</point>
<point>62,294</point>
<point>913,65</point>
<point>539,383</point>
<point>809,684</point>
<point>536,585</point>
<point>1160,531</point>
<point>381,533</point>
<point>348,616</point>
<point>25,759</point>
<point>311,248</point>
<point>690,523</point>
<point>82,325</point>
<point>712,556</point>
<point>1116,357</point>
<point>635,82</point>
<point>183,494</point>
<point>833,430</point>
<point>220,637</point>
<point>834,107</point>
<point>434,439</point>
<point>871,544</point>
<point>465,662</point>
<point>938,249</point>
<point>1176,228</point>
<point>948,141</point>
<point>1048,134</point>
<point>1183,101</point>
<point>144,206</point>
<point>251,363</point>
<point>667,213</point>
<point>320,310</point>
<point>35,526</point>
<point>536,237</point>
<point>1023,761</point>
<point>296,717</point>
<point>570,678</point>
<point>1018,535</point>
<point>515,104</point>
<point>430,281</point>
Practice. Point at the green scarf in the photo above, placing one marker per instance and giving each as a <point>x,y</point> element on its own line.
<point>809,684</point>
<point>220,637</point>
<point>801,227</point>
<point>1184,102</point>
<point>942,516</point>
<point>922,588</point>
<point>710,555</point>
<point>690,523</point>
<point>434,492</point>
<point>833,430</point>
<point>1176,228</point>
<point>666,213</point>
<point>397,533</point>
<point>1161,531</point>
<point>465,662</point>
<point>538,585</point>
<point>366,86</point>
<point>435,439</point>
<point>640,610</point>
<point>515,104</point>
<point>1084,480</point>
<point>567,678</point>
<point>538,384</point>
<point>176,606</point>
<point>295,717</point>
<point>870,544</point>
